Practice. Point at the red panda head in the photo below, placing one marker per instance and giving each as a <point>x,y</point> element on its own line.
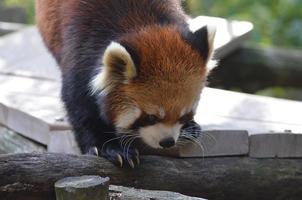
<point>151,81</point>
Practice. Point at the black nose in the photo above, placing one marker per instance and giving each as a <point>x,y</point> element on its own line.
<point>166,143</point>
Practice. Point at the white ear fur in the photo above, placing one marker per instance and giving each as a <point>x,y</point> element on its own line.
<point>211,36</point>
<point>118,67</point>
<point>211,64</point>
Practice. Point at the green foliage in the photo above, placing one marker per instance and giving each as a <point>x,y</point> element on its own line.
<point>281,92</point>
<point>28,5</point>
<point>277,22</point>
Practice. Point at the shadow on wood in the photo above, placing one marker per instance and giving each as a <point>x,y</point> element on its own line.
<point>32,176</point>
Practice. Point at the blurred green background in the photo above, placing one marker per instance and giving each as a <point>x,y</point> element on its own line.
<point>277,23</point>
<point>28,5</point>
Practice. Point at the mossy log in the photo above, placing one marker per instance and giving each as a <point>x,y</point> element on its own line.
<point>32,176</point>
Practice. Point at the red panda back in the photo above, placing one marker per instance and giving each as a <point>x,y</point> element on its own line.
<point>114,16</point>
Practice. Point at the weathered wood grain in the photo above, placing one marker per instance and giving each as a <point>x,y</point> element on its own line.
<point>276,145</point>
<point>82,188</point>
<point>11,142</point>
<point>213,178</point>
<point>126,193</point>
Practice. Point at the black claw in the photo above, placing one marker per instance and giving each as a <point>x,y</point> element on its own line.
<point>131,163</point>
<point>119,157</point>
<point>119,160</point>
<point>93,151</point>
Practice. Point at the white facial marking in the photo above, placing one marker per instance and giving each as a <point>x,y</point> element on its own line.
<point>183,112</point>
<point>152,135</point>
<point>195,105</point>
<point>128,117</point>
<point>162,112</point>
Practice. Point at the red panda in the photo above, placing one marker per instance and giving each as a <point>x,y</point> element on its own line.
<point>131,69</point>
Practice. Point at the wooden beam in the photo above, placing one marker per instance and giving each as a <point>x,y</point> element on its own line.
<point>31,176</point>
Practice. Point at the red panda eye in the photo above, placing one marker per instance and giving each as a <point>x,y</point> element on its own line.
<point>151,119</point>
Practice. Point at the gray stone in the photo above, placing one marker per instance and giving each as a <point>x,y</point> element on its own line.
<point>272,145</point>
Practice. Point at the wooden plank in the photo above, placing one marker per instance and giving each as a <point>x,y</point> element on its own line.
<point>217,143</point>
<point>3,114</point>
<point>7,27</point>
<point>34,62</point>
<point>211,143</point>
<point>63,142</point>
<point>39,98</point>
<point>11,142</point>
<point>25,124</point>
<point>276,145</point>
<point>28,126</point>
<point>24,85</point>
<point>220,109</point>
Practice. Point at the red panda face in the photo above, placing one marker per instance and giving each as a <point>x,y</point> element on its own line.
<point>152,82</point>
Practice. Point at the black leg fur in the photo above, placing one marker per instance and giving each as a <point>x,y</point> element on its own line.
<point>91,131</point>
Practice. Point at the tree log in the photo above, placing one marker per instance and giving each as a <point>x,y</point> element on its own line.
<point>254,68</point>
<point>32,176</point>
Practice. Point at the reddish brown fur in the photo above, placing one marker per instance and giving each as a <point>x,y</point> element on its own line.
<point>171,74</point>
<point>170,62</point>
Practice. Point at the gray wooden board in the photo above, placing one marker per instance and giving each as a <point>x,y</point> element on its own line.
<point>7,27</point>
<point>12,142</point>
<point>223,110</point>
<point>23,53</point>
<point>210,144</point>
<point>217,143</point>
<point>63,142</point>
<point>26,125</point>
<point>276,145</point>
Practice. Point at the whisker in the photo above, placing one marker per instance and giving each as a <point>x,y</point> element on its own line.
<point>196,142</point>
<point>129,145</point>
<point>109,141</point>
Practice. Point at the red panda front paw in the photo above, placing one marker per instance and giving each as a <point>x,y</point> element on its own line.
<point>120,156</point>
<point>117,155</point>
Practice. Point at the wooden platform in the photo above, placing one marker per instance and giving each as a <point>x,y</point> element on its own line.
<point>30,101</point>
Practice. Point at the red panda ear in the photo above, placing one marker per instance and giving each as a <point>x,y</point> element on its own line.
<point>202,40</point>
<point>118,68</point>
<point>118,61</point>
